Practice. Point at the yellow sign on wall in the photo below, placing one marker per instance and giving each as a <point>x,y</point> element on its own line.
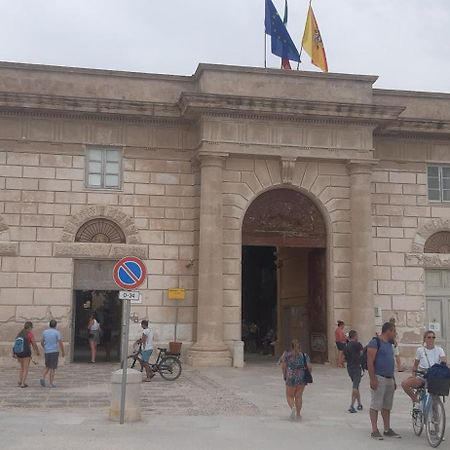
<point>176,294</point>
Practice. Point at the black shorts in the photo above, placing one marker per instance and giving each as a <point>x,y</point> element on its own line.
<point>24,354</point>
<point>340,346</point>
<point>51,360</point>
<point>355,375</point>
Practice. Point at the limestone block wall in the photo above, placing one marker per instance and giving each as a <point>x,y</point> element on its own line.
<point>328,185</point>
<point>400,206</point>
<point>42,188</point>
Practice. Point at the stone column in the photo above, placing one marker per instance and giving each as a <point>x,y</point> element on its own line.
<point>210,349</point>
<point>362,312</point>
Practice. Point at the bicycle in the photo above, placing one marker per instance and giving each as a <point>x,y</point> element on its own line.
<point>429,412</point>
<point>168,365</point>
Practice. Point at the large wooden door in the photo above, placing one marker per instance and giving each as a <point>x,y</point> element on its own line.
<point>318,305</point>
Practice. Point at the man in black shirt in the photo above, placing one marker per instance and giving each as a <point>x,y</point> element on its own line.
<point>352,354</point>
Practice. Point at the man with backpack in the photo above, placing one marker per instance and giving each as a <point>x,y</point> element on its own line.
<point>381,367</point>
<point>352,354</point>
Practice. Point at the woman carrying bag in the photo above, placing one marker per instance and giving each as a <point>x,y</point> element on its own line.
<point>296,368</point>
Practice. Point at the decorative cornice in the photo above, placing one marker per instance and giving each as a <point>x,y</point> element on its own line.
<point>416,127</point>
<point>81,106</point>
<point>196,104</point>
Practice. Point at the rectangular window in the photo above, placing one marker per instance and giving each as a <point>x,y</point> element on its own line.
<point>103,168</point>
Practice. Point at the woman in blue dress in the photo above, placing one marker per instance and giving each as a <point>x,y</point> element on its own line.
<point>293,365</point>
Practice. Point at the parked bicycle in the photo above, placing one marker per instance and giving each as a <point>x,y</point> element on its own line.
<point>168,365</point>
<point>430,413</point>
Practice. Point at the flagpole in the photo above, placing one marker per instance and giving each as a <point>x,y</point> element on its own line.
<point>301,46</point>
<point>265,50</point>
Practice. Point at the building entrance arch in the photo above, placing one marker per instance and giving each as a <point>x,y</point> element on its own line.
<point>284,271</point>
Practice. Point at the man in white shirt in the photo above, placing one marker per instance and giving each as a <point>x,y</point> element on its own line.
<point>426,357</point>
<point>146,341</point>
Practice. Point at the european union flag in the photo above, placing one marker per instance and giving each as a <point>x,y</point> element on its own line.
<point>282,44</point>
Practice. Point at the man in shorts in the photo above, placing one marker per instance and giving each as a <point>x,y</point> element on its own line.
<point>381,367</point>
<point>147,348</point>
<point>352,354</point>
<point>52,343</point>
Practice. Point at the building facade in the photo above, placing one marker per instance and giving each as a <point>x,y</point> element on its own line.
<point>290,199</point>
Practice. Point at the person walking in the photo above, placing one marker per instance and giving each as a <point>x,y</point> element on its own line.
<point>427,356</point>
<point>94,336</point>
<point>294,366</point>
<point>352,354</point>
<point>146,341</point>
<point>341,341</point>
<point>23,344</point>
<point>381,367</point>
<point>51,343</point>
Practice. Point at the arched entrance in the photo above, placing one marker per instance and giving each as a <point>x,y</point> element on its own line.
<point>284,240</point>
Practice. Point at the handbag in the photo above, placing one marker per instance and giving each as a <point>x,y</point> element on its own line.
<point>307,377</point>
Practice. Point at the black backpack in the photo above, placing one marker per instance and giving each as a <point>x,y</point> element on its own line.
<point>364,353</point>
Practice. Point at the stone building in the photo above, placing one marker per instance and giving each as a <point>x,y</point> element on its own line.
<point>292,199</point>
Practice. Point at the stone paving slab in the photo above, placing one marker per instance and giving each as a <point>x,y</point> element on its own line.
<point>210,409</point>
<point>86,386</point>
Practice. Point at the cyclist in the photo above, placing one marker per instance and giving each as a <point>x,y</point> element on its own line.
<point>146,341</point>
<point>427,356</point>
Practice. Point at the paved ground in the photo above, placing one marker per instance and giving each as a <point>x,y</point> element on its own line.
<point>204,409</point>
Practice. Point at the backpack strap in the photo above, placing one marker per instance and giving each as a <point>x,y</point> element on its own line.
<point>426,356</point>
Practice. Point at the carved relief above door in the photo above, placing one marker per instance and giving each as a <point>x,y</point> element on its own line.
<point>284,217</point>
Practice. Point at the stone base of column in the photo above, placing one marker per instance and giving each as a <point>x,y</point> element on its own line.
<point>202,356</point>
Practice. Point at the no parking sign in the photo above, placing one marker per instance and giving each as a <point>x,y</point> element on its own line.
<point>129,273</point>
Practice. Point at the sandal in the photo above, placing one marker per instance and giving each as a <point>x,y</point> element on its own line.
<point>24,385</point>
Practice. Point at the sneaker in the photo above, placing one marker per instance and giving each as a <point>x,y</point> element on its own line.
<point>377,435</point>
<point>391,433</point>
<point>293,413</point>
<point>42,381</point>
<point>360,407</point>
<point>352,409</point>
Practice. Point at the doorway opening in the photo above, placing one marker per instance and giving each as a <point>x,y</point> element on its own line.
<point>259,299</point>
<point>95,293</point>
<point>108,311</point>
<point>284,275</point>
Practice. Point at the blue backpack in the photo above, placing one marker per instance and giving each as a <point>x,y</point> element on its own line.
<point>438,371</point>
<point>20,345</point>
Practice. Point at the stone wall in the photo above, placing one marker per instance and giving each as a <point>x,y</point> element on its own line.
<point>42,189</point>
<point>400,210</point>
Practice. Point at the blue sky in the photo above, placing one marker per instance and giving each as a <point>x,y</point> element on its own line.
<point>405,42</point>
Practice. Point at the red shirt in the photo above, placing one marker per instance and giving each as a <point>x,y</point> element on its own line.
<point>340,335</point>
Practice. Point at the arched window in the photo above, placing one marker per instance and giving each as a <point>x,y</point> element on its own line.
<point>438,243</point>
<point>100,231</point>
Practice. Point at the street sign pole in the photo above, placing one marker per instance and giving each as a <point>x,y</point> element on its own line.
<point>128,273</point>
<point>125,337</point>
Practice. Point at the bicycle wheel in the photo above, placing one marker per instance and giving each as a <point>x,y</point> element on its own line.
<point>170,368</point>
<point>435,422</point>
<point>417,422</point>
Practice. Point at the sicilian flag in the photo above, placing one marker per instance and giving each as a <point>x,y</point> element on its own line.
<point>312,42</point>
<point>281,42</point>
<point>285,63</point>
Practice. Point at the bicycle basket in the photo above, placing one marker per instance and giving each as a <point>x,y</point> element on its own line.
<point>438,386</point>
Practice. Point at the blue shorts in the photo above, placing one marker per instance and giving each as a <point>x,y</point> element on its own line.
<point>146,355</point>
